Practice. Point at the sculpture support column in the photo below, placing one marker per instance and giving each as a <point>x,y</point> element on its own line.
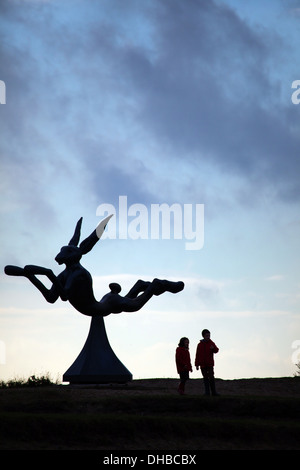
<point>97,362</point>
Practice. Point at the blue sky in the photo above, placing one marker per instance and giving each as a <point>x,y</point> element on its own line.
<point>161,102</point>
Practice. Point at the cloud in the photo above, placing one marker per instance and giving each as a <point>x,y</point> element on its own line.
<point>95,94</point>
<point>210,94</point>
<point>275,277</point>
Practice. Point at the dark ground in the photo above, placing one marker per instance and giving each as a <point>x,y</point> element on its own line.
<point>249,414</point>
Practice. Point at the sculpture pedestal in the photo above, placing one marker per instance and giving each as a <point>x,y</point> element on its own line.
<point>97,363</point>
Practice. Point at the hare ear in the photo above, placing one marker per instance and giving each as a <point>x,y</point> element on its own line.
<point>75,239</point>
<point>87,244</point>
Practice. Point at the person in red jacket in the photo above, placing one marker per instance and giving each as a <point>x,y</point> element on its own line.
<point>183,363</point>
<point>205,360</point>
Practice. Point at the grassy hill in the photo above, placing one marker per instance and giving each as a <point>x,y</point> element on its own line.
<point>150,415</point>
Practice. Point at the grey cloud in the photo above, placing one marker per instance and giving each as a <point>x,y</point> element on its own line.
<point>200,85</point>
<point>211,90</point>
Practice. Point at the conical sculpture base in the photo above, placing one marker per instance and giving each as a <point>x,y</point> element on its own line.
<point>97,363</point>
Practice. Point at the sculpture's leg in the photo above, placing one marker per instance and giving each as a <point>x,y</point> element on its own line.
<point>97,362</point>
<point>14,270</point>
<point>29,271</point>
<point>160,286</point>
<point>133,302</point>
<point>139,286</point>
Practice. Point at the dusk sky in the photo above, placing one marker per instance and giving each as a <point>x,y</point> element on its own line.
<point>190,104</point>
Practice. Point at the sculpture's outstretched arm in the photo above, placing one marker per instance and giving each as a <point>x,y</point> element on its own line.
<point>30,271</point>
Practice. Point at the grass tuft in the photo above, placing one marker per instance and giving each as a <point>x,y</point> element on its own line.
<point>32,381</point>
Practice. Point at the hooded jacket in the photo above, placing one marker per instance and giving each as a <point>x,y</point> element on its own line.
<point>205,354</point>
<point>183,360</point>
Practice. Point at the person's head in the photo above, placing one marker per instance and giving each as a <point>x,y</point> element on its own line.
<point>206,334</point>
<point>184,342</point>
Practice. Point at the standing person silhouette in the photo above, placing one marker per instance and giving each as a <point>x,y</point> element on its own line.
<point>205,360</point>
<point>183,363</point>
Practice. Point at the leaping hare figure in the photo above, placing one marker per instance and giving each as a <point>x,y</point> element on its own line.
<point>75,283</point>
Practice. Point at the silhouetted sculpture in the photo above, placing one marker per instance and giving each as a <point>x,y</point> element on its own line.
<point>97,362</point>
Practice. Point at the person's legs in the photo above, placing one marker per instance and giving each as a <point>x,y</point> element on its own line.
<point>204,371</point>
<point>211,378</point>
<point>184,376</point>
